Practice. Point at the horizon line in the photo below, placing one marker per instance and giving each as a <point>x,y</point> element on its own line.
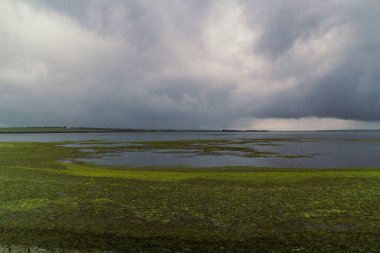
<point>23,129</point>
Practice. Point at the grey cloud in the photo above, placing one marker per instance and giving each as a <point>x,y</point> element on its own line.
<point>351,90</point>
<point>187,64</point>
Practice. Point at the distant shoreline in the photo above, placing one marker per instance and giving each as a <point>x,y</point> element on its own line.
<point>42,130</point>
<point>22,130</point>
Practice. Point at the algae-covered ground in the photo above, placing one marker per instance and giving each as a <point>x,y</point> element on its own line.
<point>68,207</point>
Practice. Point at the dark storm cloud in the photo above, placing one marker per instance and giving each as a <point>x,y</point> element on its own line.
<point>351,89</point>
<point>187,64</point>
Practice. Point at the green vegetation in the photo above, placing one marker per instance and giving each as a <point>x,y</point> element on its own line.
<point>201,147</point>
<point>64,207</point>
<point>240,147</point>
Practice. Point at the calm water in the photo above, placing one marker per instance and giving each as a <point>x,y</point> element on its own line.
<point>329,149</point>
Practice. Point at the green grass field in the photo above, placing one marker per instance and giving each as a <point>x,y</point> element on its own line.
<point>70,207</point>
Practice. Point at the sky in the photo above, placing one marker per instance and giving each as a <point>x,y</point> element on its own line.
<point>191,64</point>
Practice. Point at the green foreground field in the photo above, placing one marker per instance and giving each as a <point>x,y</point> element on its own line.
<point>70,207</point>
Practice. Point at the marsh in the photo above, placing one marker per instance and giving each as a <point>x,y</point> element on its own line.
<point>56,197</point>
<point>269,149</point>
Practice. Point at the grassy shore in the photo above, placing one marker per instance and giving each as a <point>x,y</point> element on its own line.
<point>63,207</point>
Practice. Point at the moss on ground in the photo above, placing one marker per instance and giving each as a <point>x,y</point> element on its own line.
<point>69,206</point>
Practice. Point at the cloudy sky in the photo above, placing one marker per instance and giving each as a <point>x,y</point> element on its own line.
<point>280,65</point>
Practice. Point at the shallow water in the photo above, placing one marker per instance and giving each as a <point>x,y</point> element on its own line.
<point>324,149</point>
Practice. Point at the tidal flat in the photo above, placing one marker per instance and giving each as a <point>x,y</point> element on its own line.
<point>49,204</point>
